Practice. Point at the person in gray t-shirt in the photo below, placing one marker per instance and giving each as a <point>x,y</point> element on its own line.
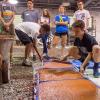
<point>30,14</point>
<point>7,13</point>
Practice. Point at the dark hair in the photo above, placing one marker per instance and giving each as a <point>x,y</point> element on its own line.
<point>80,1</point>
<point>79,24</point>
<point>30,0</point>
<point>46,27</point>
<point>48,14</point>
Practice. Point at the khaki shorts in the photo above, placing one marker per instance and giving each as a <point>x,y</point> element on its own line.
<point>4,32</point>
<point>5,46</point>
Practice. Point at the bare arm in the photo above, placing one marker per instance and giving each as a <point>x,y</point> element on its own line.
<point>2,20</point>
<point>11,21</point>
<point>83,66</point>
<point>61,23</point>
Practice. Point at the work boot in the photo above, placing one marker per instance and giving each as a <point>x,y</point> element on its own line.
<point>5,75</point>
<point>27,63</point>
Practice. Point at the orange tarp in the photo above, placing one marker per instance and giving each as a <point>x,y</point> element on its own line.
<point>47,75</point>
<point>57,65</point>
<point>68,90</point>
<point>58,81</point>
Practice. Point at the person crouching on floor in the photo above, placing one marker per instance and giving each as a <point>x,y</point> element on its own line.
<point>85,47</point>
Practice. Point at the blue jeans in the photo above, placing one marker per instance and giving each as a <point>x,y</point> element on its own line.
<point>44,38</point>
<point>96,68</point>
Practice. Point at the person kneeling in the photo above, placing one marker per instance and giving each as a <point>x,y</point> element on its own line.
<point>85,47</point>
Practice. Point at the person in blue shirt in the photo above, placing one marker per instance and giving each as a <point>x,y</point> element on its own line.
<point>61,22</point>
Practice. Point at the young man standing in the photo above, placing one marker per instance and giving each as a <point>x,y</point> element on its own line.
<point>84,47</point>
<point>7,14</point>
<point>30,14</point>
<point>61,22</point>
<point>82,14</point>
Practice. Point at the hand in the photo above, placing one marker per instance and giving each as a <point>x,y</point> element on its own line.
<point>7,24</point>
<point>7,28</point>
<point>82,70</point>
<point>63,58</point>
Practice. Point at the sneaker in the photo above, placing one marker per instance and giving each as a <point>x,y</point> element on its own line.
<point>96,75</point>
<point>34,57</point>
<point>27,62</point>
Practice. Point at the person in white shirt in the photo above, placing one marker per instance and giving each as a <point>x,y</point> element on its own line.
<point>27,33</point>
<point>45,18</point>
<point>82,14</point>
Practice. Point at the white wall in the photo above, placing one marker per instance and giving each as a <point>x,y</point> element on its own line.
<point>97,18</point>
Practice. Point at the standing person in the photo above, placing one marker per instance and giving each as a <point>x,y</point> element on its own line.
<point>30,14</point>
<point>82,14</point>
<point>85,48</point>
<point>7,14</point>
<point>61,22</point>
<point>45,19</point>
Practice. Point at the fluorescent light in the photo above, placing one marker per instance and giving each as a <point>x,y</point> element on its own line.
<point>13,1</point>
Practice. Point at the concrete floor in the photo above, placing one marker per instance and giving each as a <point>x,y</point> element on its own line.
<point>21,77</point>
<point>20,50</point>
